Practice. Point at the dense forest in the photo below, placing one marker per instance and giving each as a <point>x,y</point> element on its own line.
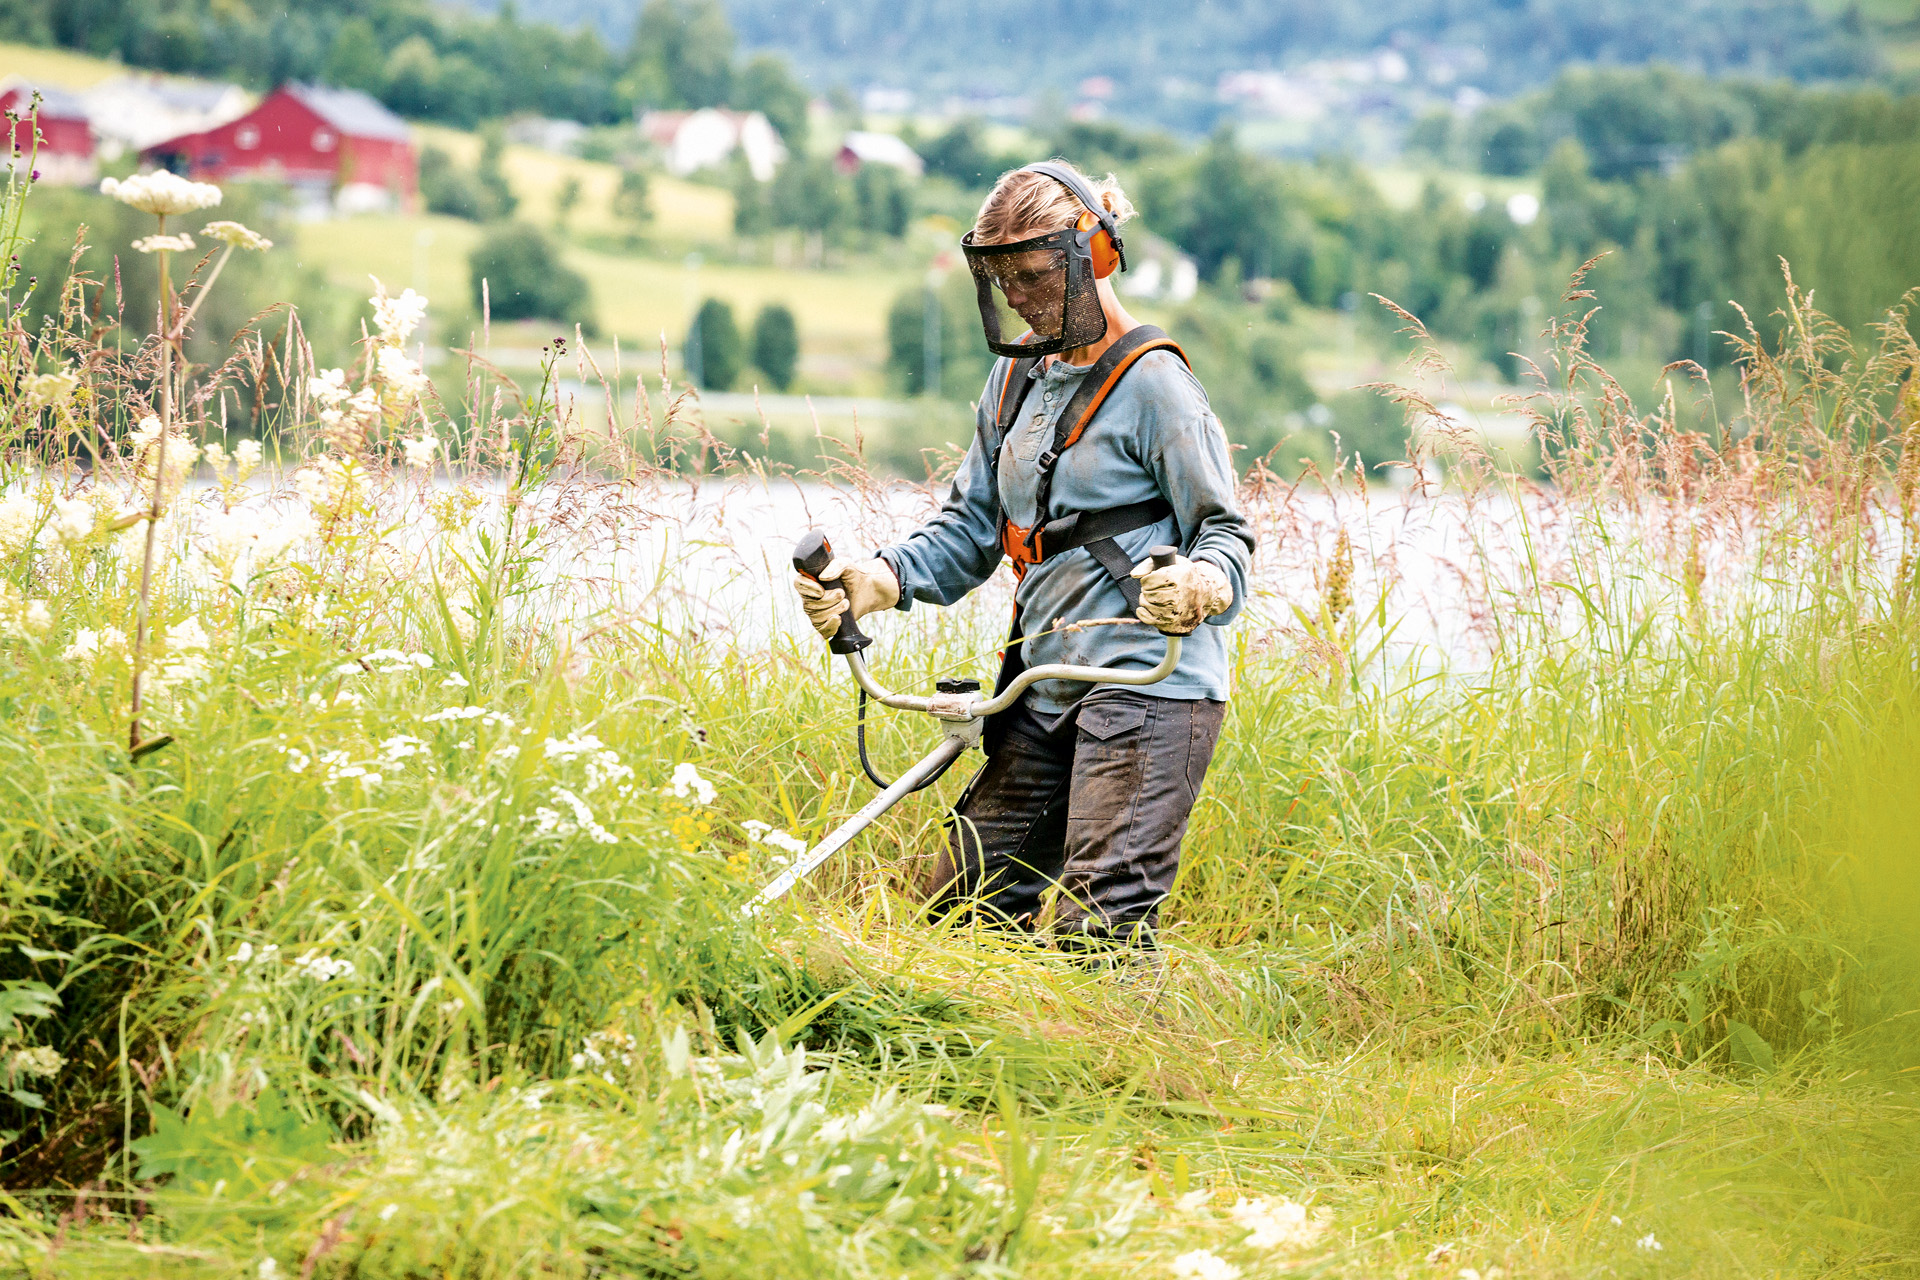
<point>428,61</point>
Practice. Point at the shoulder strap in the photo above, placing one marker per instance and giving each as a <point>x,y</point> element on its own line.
<point>1098,383</point>
<point>1013,394</point>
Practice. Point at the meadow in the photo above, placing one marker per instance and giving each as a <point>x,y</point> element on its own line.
<point>382,789</point>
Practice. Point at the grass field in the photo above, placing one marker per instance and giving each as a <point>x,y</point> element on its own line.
<point>62,68</point>
<point>415,949</point>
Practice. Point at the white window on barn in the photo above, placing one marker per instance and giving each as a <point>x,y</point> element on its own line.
<point>323,139</point>
<point>246,137</point>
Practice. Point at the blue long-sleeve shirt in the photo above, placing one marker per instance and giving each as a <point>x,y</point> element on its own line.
<point>1155,436</point>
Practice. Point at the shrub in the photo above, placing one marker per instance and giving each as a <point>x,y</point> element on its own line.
<point>525,278</point>
<point>776,344</point>
<point>714,353</point>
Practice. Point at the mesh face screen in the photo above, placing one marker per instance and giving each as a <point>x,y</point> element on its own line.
<point>1043,287</point>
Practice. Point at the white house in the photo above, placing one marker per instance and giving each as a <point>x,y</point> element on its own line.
<point>859,148</point>
<point>695,140</point>
<point>132,112</point>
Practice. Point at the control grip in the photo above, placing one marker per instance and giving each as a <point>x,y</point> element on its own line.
<point>811,556</point>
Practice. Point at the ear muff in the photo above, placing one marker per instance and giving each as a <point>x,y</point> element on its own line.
<point>1105,257</point>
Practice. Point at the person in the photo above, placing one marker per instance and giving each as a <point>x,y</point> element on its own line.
<point>1094,442</point>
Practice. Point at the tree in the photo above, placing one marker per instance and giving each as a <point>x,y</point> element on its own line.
<point>714,354</point>
<point>449,189</point>
<point>631,202</point>
<point>880,194</point>
<point>776,344</point>
<point>501,202</point>
<point>526,279</point>
<point>961,154</point>
<point>357,60</point>
<point>566,201</point>
<point>767,85</point>
<point>809,193</point>
<point>682,54</point>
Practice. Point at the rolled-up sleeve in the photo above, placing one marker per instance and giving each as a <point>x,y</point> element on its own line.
<point>959,548</point>
<point>1189,459</point>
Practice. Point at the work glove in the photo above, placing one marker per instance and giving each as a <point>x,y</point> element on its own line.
<point>866,586</point>
<point>1181,596</point>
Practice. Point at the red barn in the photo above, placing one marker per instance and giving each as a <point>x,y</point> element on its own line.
<point>336,144</point>
<point>66,139</point>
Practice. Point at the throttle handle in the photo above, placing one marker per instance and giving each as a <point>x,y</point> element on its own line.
<point>811,556</point>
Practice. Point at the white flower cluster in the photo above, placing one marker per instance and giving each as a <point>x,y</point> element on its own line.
<point>21,617</point>
<point>774,837</point>
<point>322,967</point>
<point>48,390</point>
<point>89,643</point>
<point>248,536</point>
<point>481,714</point>
<point>245,954</point>
<point>184,657</point>
<point>687,784</point>
<point>552,822</point>
<point>39,1062</point>
<point>401,746</point>
<point>181,454</point>
<point>384,662</point>
<point>161,193</point>
<point>396,318</point>
<point>24,518</point>
<point>335,766</point>
<point>243,461</point>
<point>164,244</point>
<point>331,485</point>
<point>237,236</point>
<point>602,1049</point>
<point>1277,1224</point>
<point>603,764</point>
<point>1202,1264</point>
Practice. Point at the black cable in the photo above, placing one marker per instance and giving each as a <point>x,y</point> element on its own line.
<point>866,765</point>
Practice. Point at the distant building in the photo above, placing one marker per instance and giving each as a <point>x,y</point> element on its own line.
<point>694,140</point>
<point>562,137</point>
<point>66,149</point>
<point>132,112</point>
<point>337,148</point>
<point>859,148</point>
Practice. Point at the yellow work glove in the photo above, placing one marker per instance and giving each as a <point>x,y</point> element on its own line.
<point>1181,596</point>
<point>866,586</point>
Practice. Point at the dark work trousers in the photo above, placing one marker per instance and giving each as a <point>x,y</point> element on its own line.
<point>1096,804</point>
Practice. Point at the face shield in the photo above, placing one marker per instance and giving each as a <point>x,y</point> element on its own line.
<point>1041,288</point>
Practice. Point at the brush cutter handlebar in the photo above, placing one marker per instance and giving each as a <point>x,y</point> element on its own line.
<point>956,702</point>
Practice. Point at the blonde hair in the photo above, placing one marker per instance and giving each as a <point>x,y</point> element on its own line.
<point>1023,204</point>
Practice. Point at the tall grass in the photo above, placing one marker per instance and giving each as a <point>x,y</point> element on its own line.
<point>417,951</point>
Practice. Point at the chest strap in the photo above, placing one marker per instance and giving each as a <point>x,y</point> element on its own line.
<point>1094,530</point>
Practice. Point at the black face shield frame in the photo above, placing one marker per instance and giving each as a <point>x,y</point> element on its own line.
<point>1051,277</point>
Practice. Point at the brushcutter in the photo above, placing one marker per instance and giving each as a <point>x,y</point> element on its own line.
<point>956,703</point>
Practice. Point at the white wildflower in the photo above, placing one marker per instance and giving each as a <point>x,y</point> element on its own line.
<point>398,371</point>
<point>454,680</point>
<point>40,1062</point>
<point>246,456</point>
<point>1204,1265</point>
<point>1440,1252</point>
<point>389,1211</point>
<point>89,643</point>
<point>48,390</point>
<point>322,967</point>
<point>400,746</point>
<point>329,387</point>
<point>180,453</point>
<point>330,485</point>
<point>420,452</point>
<point>688,784</point>
<point>73,519</point>
<point>161,193</point>
<point>239,237</point>
<point>766,833</point>
<point>36,619</point>
<point>1647,1244</point>
<point>164,244</point>
<point>19,518</point>
<point>396,318</point>
<point>1274,1224</point>
<point>297,760</point>
<point>188,635</point>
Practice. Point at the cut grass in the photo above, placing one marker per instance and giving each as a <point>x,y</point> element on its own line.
<point>62,68</point>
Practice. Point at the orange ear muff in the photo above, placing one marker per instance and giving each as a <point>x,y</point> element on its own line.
<point>1105,256</point>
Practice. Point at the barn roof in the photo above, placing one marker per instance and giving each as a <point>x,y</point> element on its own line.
<point>352,112</point>
<point>55,103</point>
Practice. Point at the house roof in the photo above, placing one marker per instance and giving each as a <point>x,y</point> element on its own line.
<point>54,102</point>
<point>882,148</point>
<point>352,112</point>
